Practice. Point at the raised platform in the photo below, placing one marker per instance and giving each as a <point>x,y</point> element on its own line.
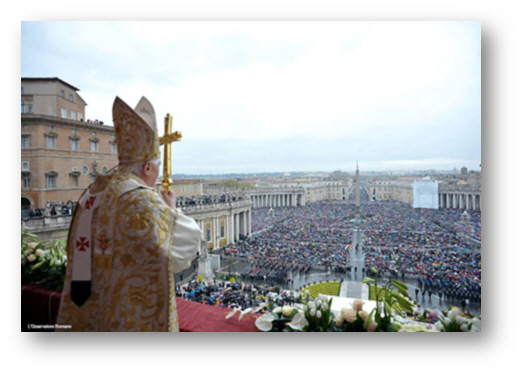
<point>355,290</point>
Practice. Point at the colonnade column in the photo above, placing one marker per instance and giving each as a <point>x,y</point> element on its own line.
<point>249,228</point>
<point>230,234</point>
<point>237,226</point>
<point>214,233</point>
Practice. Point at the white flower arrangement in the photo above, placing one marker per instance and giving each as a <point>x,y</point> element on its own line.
<point>43,262</point>
<point>454,321</point>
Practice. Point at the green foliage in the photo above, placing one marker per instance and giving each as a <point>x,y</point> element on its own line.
<point>384,294</point>
<point>392,296</point>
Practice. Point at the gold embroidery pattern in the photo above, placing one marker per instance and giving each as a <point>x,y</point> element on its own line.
<point>135,139</point>
<point>173,312</point>
<point>132,288</point>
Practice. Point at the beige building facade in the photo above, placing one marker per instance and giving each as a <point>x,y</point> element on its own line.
<point>299,194</point>
<point>456,195</point>
<point>392,189</point>
<point>187,187</point>
<point>60,155</point>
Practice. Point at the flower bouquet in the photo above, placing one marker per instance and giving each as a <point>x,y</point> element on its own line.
<point>310,314</point>
<point>43,262</point>
<point>453,320</point>
<point>277,320</point>
<point>352,319</point>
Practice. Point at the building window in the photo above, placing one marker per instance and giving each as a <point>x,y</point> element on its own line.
<point>74,180</point>
<point>25,141</point>
<point>73,115</point>
<point>197,189</point>
<point>208,235</point>
<point>94,133</point>
<point>74,131</point>
<point>191,189</point>
<point>51,142</point>
<point>79,116</point>
<point>23,106</point>
<point>104,170</point>
<point>183,189</point>
<point>25,166</point>
<point>51,181</point>
<point>50,128</point>
<point>71,97</point>
<point>222,231</point>
<point>22,90</point>
<point>62,93</point>
<point>26,181</point>
<point>94,146</point>
<point>30,109</point>
<point>85,169</point>
<point>74,144</point>
<point>64,113</point>
<point>113,147</point>
<point>93,177</point>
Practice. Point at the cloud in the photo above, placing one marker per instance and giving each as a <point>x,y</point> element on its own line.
<point>347,90</point>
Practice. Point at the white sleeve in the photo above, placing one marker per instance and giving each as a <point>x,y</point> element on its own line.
<point>186,241</point>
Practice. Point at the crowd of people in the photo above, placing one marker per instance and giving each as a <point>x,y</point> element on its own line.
<point>51,208</point>
<point>298,237</point>
<point>182,201</point>
<point>233,294</point>
<point>440,247</point>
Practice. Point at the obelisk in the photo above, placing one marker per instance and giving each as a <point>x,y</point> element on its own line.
<point>358,211</point>
<point>356,231</point>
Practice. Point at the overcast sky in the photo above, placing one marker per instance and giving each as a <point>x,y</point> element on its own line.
<point>281,96</point>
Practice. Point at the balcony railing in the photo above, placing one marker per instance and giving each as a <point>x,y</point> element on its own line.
<point>46,222</point>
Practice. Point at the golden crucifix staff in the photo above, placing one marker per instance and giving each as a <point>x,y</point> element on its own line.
<point>166,140</point>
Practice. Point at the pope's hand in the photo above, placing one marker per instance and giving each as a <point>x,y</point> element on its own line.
<point>170,198</point>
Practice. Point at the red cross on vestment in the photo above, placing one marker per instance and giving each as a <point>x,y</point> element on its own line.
<point>89,203</point>
<point>82,244</point>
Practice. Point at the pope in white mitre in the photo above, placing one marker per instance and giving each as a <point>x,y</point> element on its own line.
<point>126,241</point>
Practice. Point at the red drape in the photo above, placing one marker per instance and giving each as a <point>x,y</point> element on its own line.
<point>40,307</point>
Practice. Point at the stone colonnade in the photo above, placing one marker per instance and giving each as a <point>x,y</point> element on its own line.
<point>460,200</point>
<point>274,200</point>
<point>234,217</point>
